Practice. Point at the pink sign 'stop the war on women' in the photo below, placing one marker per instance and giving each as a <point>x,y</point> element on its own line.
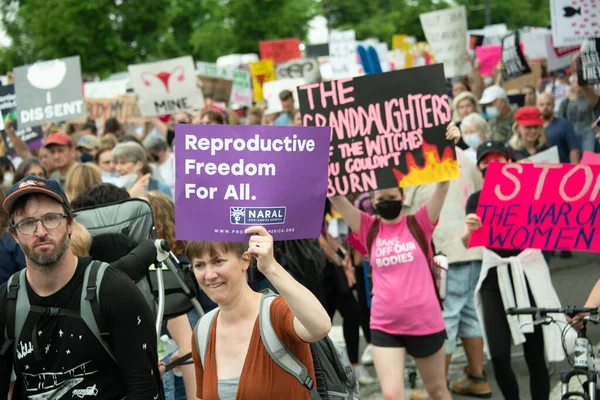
<point>540,206</point>
<point>231,177</point>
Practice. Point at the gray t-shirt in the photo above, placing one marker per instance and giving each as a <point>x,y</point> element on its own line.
<point>227,388</point>
<point>578,112</point>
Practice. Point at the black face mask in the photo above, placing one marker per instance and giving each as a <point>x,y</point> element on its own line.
<point>389,209</point>
<point>86,158</point>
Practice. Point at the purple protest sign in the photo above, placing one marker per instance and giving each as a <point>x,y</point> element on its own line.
<point>231,177</point>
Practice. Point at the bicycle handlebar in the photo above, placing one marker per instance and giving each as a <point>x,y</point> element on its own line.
<point>544,311</point>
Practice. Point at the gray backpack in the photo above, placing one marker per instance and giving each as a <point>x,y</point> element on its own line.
<point>333,370</point>
<point>18,308</point>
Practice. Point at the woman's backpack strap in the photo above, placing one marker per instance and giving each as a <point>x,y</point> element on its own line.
<point>278,352</point>
<point>203,328</point>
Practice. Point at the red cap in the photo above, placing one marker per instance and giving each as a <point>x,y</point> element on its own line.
<point>60,139</point>
<point>529,116</point>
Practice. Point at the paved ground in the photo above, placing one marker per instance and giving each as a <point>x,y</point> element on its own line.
<point>573,279</point>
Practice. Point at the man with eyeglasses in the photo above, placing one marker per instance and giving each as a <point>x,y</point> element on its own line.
<point>56,354</point>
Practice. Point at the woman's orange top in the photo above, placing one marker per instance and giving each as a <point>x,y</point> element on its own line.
<point>261,377</point>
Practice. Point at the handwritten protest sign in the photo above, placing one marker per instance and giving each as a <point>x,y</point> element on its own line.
<point>445,31</point>
<point>588,65</point>
<point>385,128</point>
<point>105,89</point>
<point>241,90</point>
<point>261,72</point>
<point>513,58</point>
<point>305,68</point>
<point>573,21</point>
<point>342,54</point>
<point>233,177</point>
<point>539,206</point>
<point>217,89</point>
<point>590,158</point>
<point>166,87</point>
<point>280,50</point>
<point>272,90</point>
<point>489,57</point>
<point>49,91</point>
<point>122,108</point>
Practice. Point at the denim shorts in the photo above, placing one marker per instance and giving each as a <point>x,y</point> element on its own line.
<point>459,306</point>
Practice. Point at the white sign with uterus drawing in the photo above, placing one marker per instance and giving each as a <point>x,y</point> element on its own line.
<point>166,87</point>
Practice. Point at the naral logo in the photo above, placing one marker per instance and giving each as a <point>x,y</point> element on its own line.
<point>257,215</point>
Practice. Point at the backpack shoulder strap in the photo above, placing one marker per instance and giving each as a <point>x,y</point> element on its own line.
<point>419,235</point>
<point>17,308</point>
<point>373,232</point>
<point>277,350</point>
<point>203,328</point>
<point>90,305</point>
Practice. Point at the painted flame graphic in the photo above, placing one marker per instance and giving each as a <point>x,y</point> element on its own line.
<point>436,168</point>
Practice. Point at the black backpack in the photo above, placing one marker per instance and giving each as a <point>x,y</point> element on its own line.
<point>333,370</point>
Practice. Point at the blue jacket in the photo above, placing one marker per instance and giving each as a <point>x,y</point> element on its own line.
<point>12,258</point>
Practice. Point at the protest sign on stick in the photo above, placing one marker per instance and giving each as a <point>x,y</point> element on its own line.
<point>124,109</point>
<point>489,57</point>
<point>233,177</point>
<point>573,21</point>
<point>445,31</point>
<point>261,71</point>
<point>166,87</point>
<point>280,50</point>
<point>49,91</point>
<point>8,101</point>
<point>343,54</point>
<point>241,89</point>
<point>105,89</point>
<point>540,206</point>
<point>305,68</point>
<point>513,58</point>
<point>32,136</point>
<point>217,89</point>
<point>386,129</point>
<point>588,64</point>
<point>558,57</point>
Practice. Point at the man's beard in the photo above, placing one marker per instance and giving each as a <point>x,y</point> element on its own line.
<point>47,260</point>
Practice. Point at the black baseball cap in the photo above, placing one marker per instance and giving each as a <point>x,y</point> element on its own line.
<point>491,147</point>
<point>33,184</point>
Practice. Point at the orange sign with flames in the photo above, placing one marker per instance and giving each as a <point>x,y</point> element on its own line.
<point>435,169</point>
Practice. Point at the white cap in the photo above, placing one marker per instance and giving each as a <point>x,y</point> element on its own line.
<point>491,94</point>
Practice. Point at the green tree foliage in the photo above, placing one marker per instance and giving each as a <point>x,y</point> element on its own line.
<point>107,34</point>
<point>111,34</point>
<point>383,18</point>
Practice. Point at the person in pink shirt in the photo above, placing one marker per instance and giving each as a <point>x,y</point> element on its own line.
<point>406,316</point>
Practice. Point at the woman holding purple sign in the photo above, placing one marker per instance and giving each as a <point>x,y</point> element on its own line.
<point>406,316</point>
<point>234,362</point>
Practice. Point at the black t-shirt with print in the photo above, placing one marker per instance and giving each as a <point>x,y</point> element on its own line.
<point>72,363</point>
